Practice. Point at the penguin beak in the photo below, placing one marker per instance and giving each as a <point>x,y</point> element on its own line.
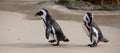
<point>35,14</point>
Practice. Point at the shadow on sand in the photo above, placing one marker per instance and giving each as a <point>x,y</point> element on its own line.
<point>25,45</point>
<point>38,45</point>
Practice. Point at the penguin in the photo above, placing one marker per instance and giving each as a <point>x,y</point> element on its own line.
<point>52,27</point>
<point>92,30</point>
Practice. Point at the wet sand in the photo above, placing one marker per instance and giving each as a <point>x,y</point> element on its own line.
<point>22,32</point>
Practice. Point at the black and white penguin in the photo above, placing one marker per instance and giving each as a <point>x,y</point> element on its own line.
<point>52,27</point>
<point>92,30</point>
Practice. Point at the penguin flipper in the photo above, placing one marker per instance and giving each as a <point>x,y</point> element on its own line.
<point>91,35</point>
<point>47,34</point>
<point>104,40</point>
<point>48,31</point>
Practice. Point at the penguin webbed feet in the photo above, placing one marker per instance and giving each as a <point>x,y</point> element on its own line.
<point>52,41</point>
<point>92,45</point>
<point>57,44</point>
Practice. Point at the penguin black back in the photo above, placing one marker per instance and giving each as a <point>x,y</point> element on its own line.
<point>93,31</point>
<point>52,27</point>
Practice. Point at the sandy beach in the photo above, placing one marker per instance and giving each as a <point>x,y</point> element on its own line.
<point>22,32</point>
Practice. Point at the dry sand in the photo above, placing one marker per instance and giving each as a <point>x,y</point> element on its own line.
<point>19,35</point>
<point>21,32</point>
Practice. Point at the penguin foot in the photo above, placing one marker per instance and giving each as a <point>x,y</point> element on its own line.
<point>52,41</point>
<point>66,40</point>
<point>92,45</point>
<point>56,44</point>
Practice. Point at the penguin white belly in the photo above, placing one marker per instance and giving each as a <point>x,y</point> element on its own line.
<point>51,36</point>
<point>95,37</point>
<point>85,29</point>
<point>54,37</point>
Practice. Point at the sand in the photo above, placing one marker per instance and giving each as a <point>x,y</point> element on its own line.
<point>22,32</point>
<point>20,35</point>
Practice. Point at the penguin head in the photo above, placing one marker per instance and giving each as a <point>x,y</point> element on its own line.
<point>42,12</point>
<point>88,17</point>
